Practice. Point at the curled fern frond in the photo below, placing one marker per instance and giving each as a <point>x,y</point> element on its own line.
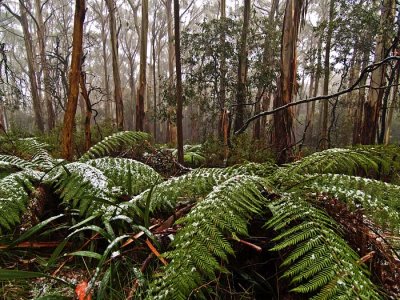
<point>380,201</point>
<point>319,261</point>
<point>15,190</point>
<point>131,176</point>
<point>201,243</point>
<point>83,186</point>
<point>113,142</point>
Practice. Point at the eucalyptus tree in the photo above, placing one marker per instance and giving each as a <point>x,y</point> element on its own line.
<point>119,105</point>
<point>171,133</point>
<point>97,7</point>
<point>267,73</point>
<point>179,100</point>
<point>141,92</point>
<point>373,103</point>
<point>41,35</point>
<point>325,140</point>
<point>129,41</point>
<point>283,138</point>
<point>30,57</point>
<point>242,68</point>
<point>74,78</point>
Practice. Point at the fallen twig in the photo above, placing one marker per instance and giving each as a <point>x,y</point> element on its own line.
<point>156,253</point>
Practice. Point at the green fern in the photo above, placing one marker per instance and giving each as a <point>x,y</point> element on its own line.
<point>82,186</point>
<point>10,161</point>
<point>131,176</point>
<point>200,245</point>
<point>192,155</point>
<point>195,184</point>
<point>15,190</point>
<point>319,261</point>
<point>38,153</point>
<point>345,161</point>
<point>378,200</point>
<point>113,143</point>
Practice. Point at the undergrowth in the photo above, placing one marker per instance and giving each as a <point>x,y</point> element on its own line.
<point>139,235</point>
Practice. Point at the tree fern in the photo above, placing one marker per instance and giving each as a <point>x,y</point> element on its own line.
<point>113,142</point>
<point>200,245</point>
<point>318,261</point>
<point>15,190</point>
<point>131,176</point>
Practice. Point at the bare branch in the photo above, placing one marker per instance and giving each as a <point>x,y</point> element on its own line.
<point>368,69</point>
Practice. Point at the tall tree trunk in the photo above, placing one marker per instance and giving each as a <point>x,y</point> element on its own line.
<point>361,99</point>
<point>171,130</point>
<point>3,125</point>
<point>88,111</point>
<point>373,104</point>
<point>143,63</point>
<point>153,49</point>
<point>316,88</point>
<point>179,101</point>
<point>37,107</point>
<point>74,78</point>
<point>324,134</point>
<point>242,69</point>
<point>392,108</point>
<point>51,118</point>
<point>132,88</point>
<point>107,106</point>
<point>222,83</point>
<point>131,59</point>
<point>309,115</point>
<point>119,105</point>
<point>267,61</point>
<point>386,97</point>
<point>283,138</point>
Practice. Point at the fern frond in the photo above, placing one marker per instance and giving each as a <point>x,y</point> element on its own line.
<point>131,176</point>
<point>37,150</point>
<point>192,154</point>
<point>82,186</point>
<point>14,196</point>
<point>201,243</point>
<point>345,161</point>
<point>380,201</point>
<point>10,161</point>
<point>319,260</point>
<point>113,142</point>
<point>197,183</point>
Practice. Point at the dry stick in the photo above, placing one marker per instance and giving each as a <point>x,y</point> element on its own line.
<point>33,245</point>
<point>368,69</point>
<point>171,220</point>
<point>137,235</point>
<point>251,245</point>
<point>366,258</point>
<point>156,253</point>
